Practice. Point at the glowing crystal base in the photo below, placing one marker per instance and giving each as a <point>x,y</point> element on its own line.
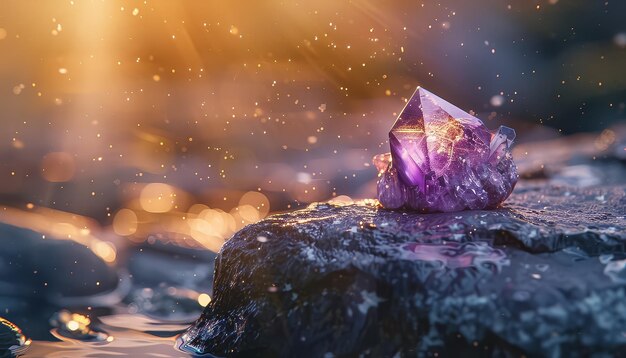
<point>443,159</point>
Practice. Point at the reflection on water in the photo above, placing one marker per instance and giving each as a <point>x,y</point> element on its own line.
<point>75,326</point>
<point>128,335</point>
<point>459,255</point>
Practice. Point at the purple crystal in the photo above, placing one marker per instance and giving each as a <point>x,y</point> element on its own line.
<point>444,159</point>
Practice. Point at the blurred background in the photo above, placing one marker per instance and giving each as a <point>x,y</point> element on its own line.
<point>118,110</point>
<point>126,122</point>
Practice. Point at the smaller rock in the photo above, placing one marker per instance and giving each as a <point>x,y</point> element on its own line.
<point>76,327</point>
<point>40,275</point>
<point>13,343</point>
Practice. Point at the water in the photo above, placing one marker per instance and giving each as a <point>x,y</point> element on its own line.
<point>114,335</point>
<point>58,299</point>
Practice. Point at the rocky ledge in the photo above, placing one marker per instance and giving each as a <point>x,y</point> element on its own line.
<point>546,274</point>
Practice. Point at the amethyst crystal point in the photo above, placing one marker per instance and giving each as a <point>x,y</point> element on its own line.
<point>444,159</point>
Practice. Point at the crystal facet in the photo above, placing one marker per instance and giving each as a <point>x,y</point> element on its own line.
<point>444,159</point>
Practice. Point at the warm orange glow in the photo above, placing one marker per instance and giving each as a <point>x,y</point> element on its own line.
<point>248,213</point>
<point>194,119</point>
<point>157,198</point>
<point>57,167</point>
<point>73,325</point>
<point>258,201</point>
<point>442,139</point>
<point>605,139</point>
<point>60,225</point>
<point>125,222</point>
<point>104,249</point>
<point>204,299</point>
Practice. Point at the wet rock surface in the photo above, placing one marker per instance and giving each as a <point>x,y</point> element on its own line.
<point>545,274</point>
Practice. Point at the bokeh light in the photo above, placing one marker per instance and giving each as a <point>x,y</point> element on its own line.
<point>125,222</point>
<point>204,299</point>
<point>157,198</point>
<point>196,119</point>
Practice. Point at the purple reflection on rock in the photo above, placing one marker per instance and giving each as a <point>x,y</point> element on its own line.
<point>444,159</point>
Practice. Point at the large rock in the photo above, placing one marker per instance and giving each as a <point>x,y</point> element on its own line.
<point>544,275</point>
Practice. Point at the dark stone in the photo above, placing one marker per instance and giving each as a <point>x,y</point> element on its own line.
<point>50,269</point>
<point>543,275</point>
<point>13,343</point>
